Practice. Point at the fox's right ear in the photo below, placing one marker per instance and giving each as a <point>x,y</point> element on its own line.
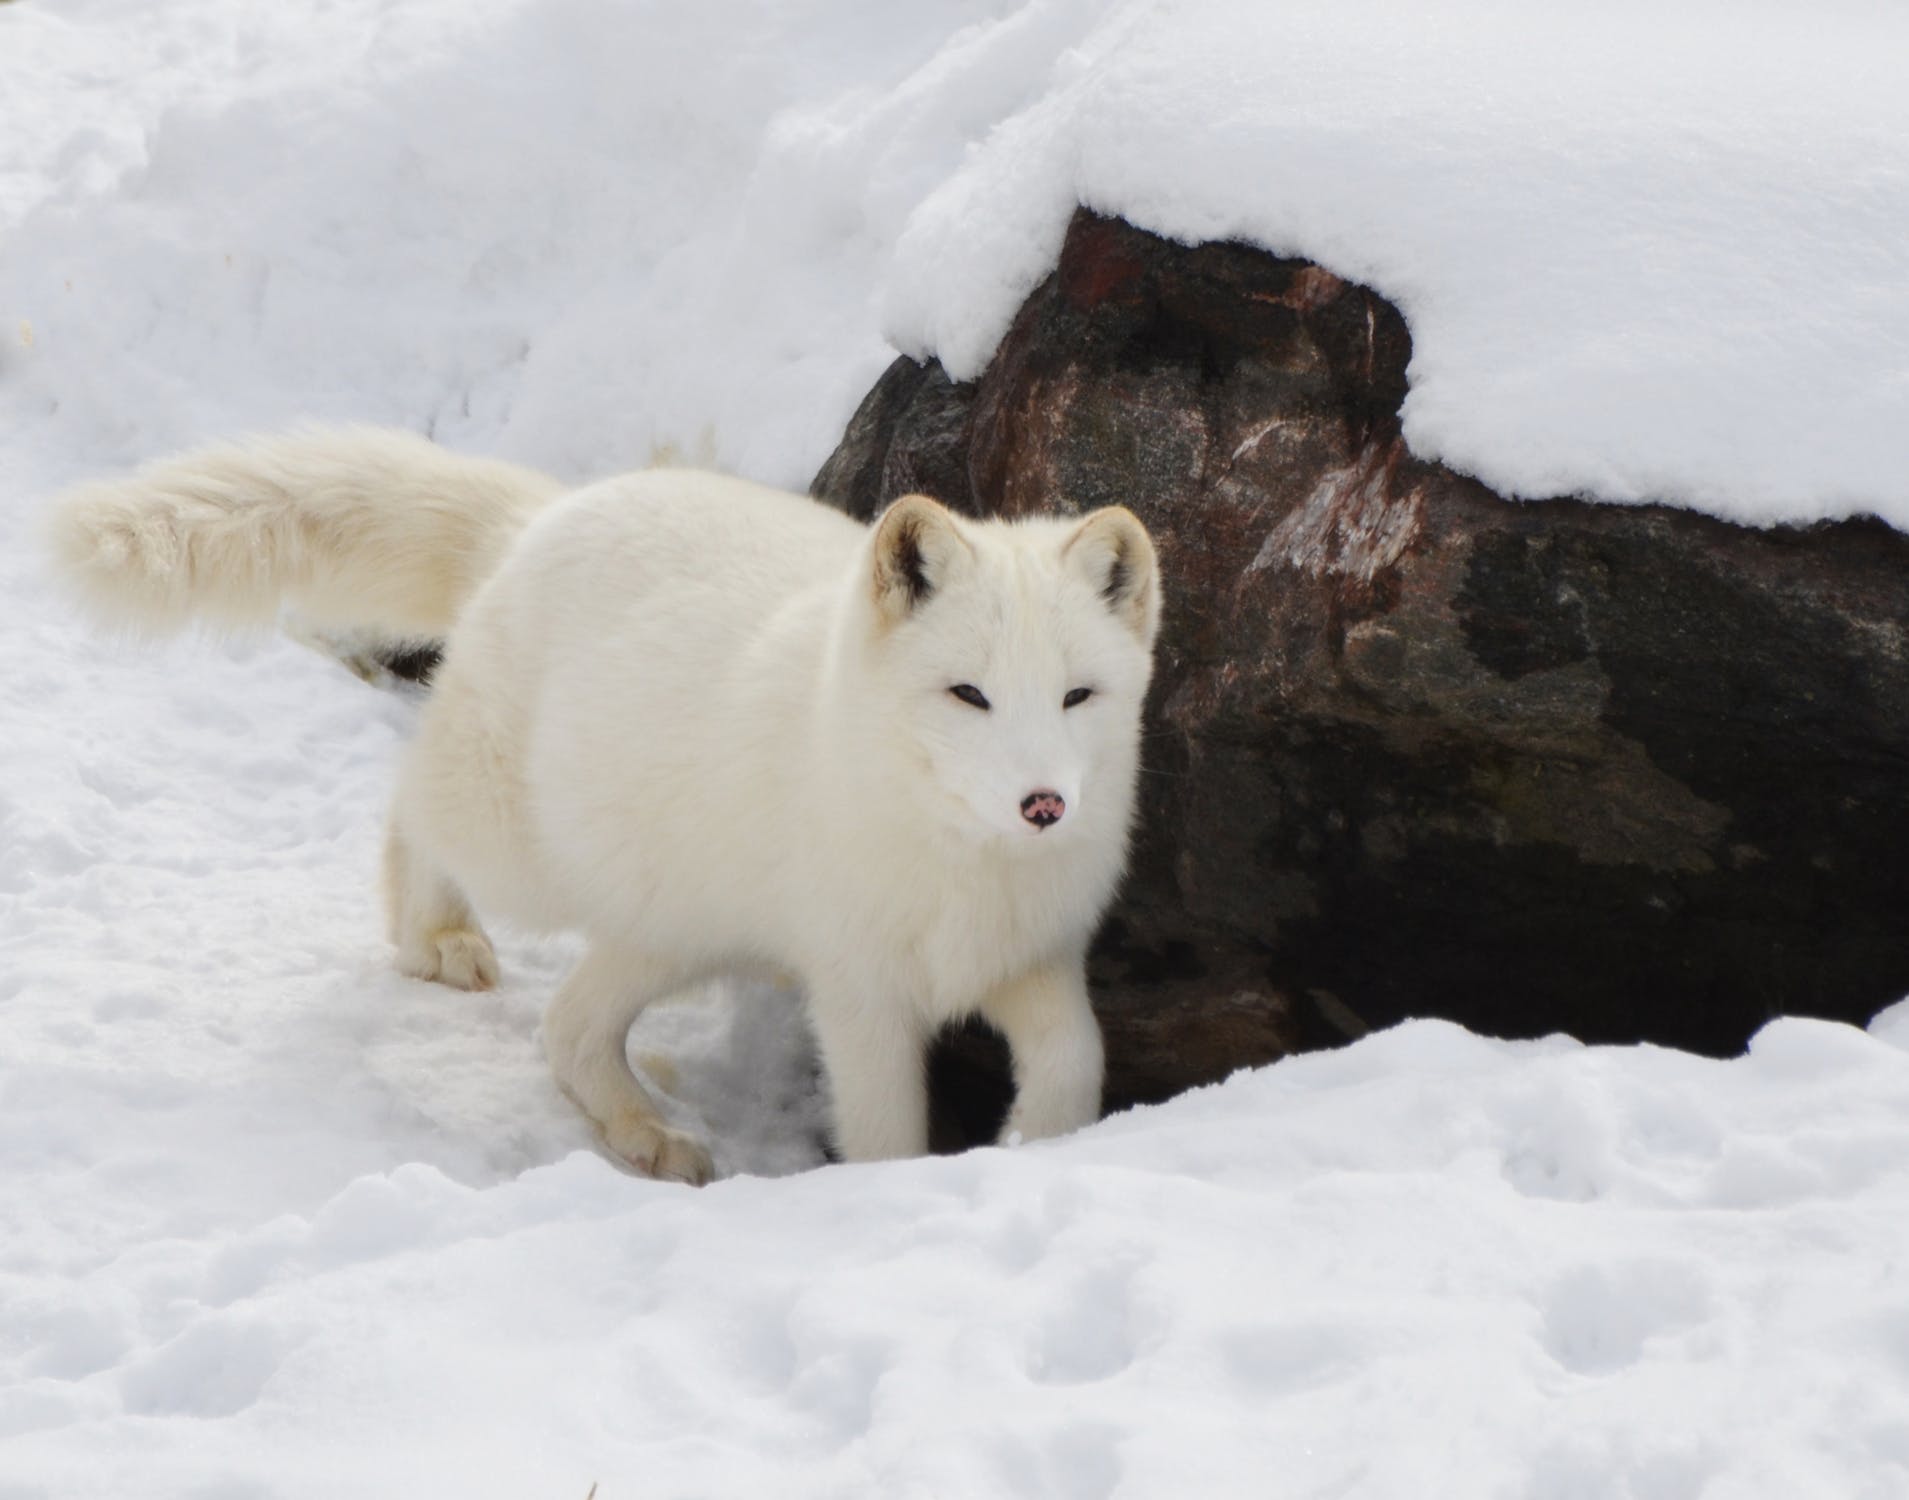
<point>917,544</point>
<point>1112,549</point>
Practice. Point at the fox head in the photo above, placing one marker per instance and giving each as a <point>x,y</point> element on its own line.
<point>1014,658</point>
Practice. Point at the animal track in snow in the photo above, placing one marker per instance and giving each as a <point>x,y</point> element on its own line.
<point>1090,1334</point>
<point>1597,1319</point>
<point>1559,1147</point>
<point>836,1385</point>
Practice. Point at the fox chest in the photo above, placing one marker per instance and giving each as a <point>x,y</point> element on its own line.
<point>982,935</point>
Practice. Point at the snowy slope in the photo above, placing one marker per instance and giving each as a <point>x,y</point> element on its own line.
<point>1646,251</point>
<point>276,1222</point>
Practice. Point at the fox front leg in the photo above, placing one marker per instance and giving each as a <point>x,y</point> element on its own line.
<point>1058,1059</point>
<point>875,1056</point>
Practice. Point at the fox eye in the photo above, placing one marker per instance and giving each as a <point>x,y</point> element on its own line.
<point>1077,697</point>
<point>971,695</point>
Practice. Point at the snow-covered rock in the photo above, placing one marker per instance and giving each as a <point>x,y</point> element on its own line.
<point>1415,749</point>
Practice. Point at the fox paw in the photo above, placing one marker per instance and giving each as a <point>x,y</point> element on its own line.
<point>461,957</point>
<point>657,1151</point>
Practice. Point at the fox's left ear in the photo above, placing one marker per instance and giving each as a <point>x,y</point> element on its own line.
<point>1112,549</point>
<point>917,546</point>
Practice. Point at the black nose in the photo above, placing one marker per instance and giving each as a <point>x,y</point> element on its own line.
<point>1043,809</point>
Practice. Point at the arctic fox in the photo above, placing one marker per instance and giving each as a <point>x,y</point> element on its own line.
<point>716,727</point>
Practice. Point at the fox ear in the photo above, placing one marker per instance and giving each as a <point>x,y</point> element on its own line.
<point>917,544</point>
<point>1112,550</point>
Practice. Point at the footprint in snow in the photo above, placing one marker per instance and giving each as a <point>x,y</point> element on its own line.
<point>1091,1333</point>
<point>1599,1319</point>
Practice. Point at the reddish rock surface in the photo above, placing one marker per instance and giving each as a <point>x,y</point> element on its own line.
<point>1417,749</point>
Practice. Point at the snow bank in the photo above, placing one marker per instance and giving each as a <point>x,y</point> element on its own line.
<point>1646,252</point>
<point>1430,1263</point>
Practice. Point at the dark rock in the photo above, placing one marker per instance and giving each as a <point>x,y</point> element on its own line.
<point>919,417</point>
<point>1415,748</point>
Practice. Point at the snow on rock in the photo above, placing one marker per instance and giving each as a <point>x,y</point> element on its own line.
<point>1645,252</point>
<point>277,1223</point>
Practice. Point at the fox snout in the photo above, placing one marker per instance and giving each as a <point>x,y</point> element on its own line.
<point>1043,808</point>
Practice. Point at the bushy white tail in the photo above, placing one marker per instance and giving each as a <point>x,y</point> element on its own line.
<point>348,526</point>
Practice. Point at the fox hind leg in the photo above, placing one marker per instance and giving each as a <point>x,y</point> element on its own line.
<point>436,932</point>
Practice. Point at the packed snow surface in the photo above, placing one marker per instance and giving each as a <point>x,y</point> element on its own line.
<point>275,1222</point>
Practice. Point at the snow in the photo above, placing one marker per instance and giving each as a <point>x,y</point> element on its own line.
<point>1646,251</point>
<point>276,1222</point>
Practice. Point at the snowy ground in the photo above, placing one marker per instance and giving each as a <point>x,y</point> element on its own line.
<point>274,1222</point>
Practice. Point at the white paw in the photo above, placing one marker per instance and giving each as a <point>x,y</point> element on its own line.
<point>657,1151</point>
<point>458,956</point>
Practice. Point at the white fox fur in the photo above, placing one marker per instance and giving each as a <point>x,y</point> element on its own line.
<point>356,527</point>
<point>711,725</point>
